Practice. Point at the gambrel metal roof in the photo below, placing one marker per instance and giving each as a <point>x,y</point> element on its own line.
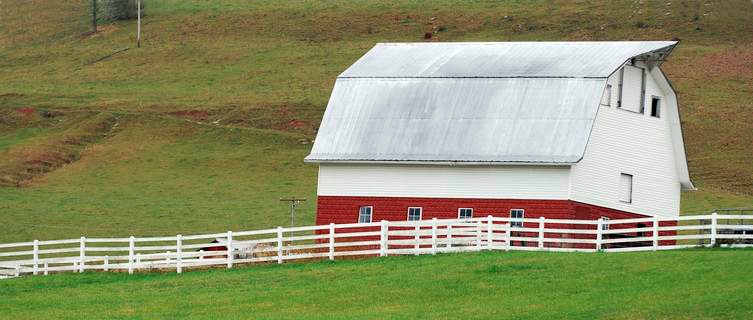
<point>463,103</point>
<point>499,59</point>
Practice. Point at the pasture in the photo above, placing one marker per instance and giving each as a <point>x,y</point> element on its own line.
<point>205,126</point>
<point>700,283</point>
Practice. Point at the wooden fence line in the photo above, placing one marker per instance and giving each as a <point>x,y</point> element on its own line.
<point>381,238</point>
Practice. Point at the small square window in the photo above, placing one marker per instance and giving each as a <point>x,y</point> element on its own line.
<point>605,226</point>
<point>517,214</point>
<point>656,107</point>
<point>414,213</point>
<point>465,213</point>
<point>364,214</point>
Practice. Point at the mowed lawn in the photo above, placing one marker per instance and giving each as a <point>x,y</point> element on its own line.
<point>686,284</point>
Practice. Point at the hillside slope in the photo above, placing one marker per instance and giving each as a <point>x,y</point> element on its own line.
<point>205,126</point>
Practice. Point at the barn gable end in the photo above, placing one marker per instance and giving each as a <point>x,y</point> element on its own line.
<point>624,141</point>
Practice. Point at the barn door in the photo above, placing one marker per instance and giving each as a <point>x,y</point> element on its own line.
<point>633,86</point>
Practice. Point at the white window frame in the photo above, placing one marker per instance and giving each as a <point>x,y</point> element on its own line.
<point>360,213</point>
<point>658,107</point>
<point>461,209</point>
<point>604,226</point>
<point>420,213</point>
<point>517,224</point>
<point>630,191</point>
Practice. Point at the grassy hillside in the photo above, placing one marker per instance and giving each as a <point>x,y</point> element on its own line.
<point>697,284</point>
<point>205,126</point>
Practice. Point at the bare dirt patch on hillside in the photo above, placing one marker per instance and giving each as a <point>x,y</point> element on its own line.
<point>20,165</point>
<point>731,62</point>
<point>291,117</point>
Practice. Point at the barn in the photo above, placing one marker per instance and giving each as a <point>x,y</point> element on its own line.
<point>570,130</point>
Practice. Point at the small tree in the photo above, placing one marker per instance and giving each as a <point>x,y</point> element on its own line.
<point>120,9</point>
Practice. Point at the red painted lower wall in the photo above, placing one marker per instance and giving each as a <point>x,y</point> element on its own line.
<point>341,209</point>
<point>335,209</point>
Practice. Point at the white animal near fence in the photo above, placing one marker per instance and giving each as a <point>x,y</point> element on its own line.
<point>371,239</point>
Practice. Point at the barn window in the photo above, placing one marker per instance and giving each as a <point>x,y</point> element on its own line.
<point>364,214</point>
<point>465,213</point>
<point>632,89</point>
<point>655,107</point>
<point>414,213</point>
<point>605,226</point>
<point>517,214</point>
<point>626,186</point>
<point>606,99</point>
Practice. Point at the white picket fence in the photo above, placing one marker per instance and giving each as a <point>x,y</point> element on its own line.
<point>371,239</point>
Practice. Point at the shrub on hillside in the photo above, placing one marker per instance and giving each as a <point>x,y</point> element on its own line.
<point>111,10</point>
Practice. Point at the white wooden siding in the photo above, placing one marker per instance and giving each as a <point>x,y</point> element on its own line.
<point>487,182</point>
<point>670,112</point>
<point>627,142</point>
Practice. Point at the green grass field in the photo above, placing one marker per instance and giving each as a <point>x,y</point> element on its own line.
<point>205,126</point>
<point>688,284</point>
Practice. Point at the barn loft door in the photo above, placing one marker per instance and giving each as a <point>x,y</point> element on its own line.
<point>633,84</point>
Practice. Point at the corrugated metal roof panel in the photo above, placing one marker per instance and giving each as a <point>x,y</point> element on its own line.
<point>499,59</point>
<point>542,120</point>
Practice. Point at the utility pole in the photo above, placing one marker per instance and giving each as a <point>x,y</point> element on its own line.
<point>138,28</point>
<point>294,202</point>
<point>94,16</point>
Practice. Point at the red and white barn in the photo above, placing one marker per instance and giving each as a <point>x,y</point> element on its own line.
<point>570,130</point>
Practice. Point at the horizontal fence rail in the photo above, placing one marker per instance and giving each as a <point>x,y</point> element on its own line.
<point>384,238</point>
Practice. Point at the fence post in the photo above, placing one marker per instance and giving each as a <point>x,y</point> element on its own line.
<point>714,223</point>
<point>331,241</point>
<point>229,249</point>
<point>383,238</point>
<point>131,253</point>
<point>83,255</point>
<point>449,235</point>
<point>46,270</point>
<point>417,238</point>
<point>656,232</point>
<point>279,245</point>
<point>541,232</point>
<point>478,235</point>
<point>36,257</point>
<point>599,236</point>
<point>508,231</point>
<point>179,252</point>
<point>201,254</point>
<point>489,232</point>
<point>18,270</point>
<point>433,235</point>
<point>107,263</point>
